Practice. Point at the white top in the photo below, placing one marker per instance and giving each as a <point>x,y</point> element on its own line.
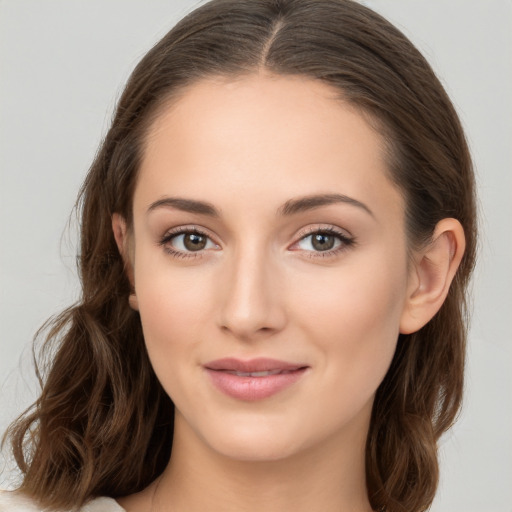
<point>13,502</point>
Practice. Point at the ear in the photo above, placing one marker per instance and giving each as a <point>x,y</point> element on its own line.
<point>434,268</point>
<point>122,238</point>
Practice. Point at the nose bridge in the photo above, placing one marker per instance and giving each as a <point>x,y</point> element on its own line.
<point>252,301</point>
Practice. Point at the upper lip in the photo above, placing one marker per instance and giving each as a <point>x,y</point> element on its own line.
<point>261,364</point>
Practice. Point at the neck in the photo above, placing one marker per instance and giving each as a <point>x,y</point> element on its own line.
<point>325,478</point>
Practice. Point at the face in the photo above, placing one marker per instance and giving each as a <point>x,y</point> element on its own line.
<point>269,264</point>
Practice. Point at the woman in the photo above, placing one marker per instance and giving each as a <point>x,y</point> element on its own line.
<point>277,234</point>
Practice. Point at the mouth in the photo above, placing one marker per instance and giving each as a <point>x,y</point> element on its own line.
<point>254,379</point>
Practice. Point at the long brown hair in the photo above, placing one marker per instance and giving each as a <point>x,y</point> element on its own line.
<point>103,424</point>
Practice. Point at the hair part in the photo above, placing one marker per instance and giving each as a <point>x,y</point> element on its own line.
<point>94,430</point>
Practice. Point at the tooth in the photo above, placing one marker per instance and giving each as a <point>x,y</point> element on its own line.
<point>256,374</point>
<point>264,373</point>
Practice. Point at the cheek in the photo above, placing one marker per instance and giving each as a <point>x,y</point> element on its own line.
<point>353,316</point>
<point>173,305</point>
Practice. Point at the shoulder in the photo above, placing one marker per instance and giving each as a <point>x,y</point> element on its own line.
<point>12,501</point>
<point>15,502</point>
<point>102,505</point>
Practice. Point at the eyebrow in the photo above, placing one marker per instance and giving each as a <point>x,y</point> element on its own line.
<point>185,205</point>
<point>291,207</point>
<point>294,206</point>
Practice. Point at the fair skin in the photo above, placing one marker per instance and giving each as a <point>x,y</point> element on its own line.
<point>247,268</point>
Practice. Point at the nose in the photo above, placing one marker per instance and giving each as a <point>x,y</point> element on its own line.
<point>252,300</point>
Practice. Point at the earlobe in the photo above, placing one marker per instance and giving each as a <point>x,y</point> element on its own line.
<point>121,236</point>
<point>133,302</point>
<point>434,269</point>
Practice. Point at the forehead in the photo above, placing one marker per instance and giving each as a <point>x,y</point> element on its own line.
<point>263,137</point>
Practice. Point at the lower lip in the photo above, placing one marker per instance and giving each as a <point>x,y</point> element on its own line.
<point>253,388</point>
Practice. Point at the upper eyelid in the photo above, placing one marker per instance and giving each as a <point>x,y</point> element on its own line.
<point>180,230</point>
<point>322,228</point>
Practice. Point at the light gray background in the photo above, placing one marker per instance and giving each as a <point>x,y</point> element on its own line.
<point>62,66</point>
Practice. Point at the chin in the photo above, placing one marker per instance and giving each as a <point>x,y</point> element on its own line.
<point>254,448</point>
<point>254,438</point>
<point>276,439</point>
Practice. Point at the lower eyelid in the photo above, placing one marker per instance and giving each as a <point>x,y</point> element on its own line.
<point>181,254</point>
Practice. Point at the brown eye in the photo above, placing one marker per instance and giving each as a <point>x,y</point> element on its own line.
<point>323,241</point>
<point>194,241</point>
<point>187,242</point>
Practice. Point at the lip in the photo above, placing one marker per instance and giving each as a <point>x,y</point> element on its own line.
<point>229,375</point>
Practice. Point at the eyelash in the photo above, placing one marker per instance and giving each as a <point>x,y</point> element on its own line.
<point>345,241</point>
<point>184,230</point>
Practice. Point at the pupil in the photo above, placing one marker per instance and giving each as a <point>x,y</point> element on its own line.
<point>194,242</point>
<point>323,242</point>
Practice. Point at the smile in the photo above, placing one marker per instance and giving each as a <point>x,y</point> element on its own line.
<point>255,379</point>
